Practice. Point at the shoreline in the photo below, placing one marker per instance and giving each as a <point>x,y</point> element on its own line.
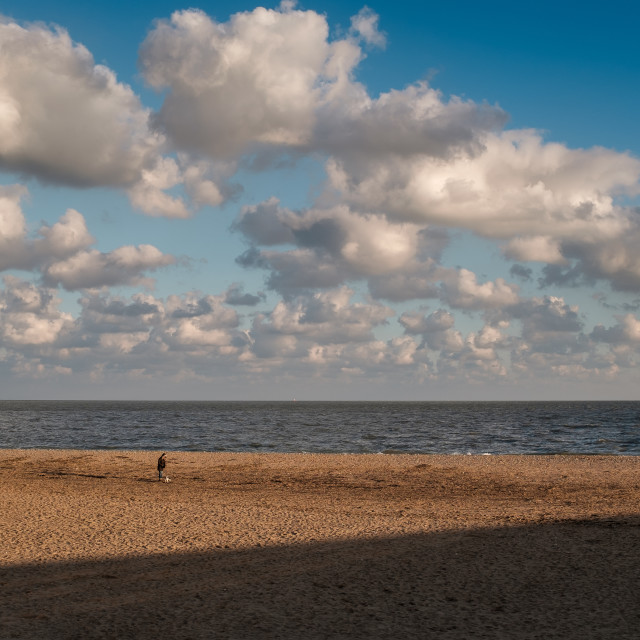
<point>480,544</point>
<point>399,454</point>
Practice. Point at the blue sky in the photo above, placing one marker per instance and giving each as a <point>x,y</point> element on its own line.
<point>319,200</point>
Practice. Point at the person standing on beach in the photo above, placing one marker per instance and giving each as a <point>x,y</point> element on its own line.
<point>162,463</point>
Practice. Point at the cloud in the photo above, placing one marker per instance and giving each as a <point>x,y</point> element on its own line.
<point>612,258</point>
<point>625,332</point>
<point>535,248</point>
<point>66,237</point>
<point>13,229</point>
<point>149,195</point>
<point>18,251</point>
<point>236,296</point>
<point>521,272</point>
<point>365,25</point>
<point>557,205</point>
<point>207,182</point>
<point>383,138</point>
<point>437,330</point>
<point>93,269</point>
<point>403,167</point>
<point>460,289</point>
<point>550,329</point>
<point>141,305</point>
<point>417,282</point>
<point>105,314</point>
<point>331,246</point>
<point>157,330</point>
<point>407,157</point>
<point>616,260</point>
<point>416,323</point>
<point>549,313</point>
<point>213,326</point>
<point>113,336</point>
<point>324,318</point>
<point>273,79</point>
<point>300,270</point>
<point>65,119</point>
<point>327,334</point>
<point>511,183</point>
<point>266,224</point>
<point>553,204</point>
<point>338,245</point>
<point>29,315</point>
<point>192,336</point>
<point>61,252</point>
<point>254,79</point>
<point>474,358</point>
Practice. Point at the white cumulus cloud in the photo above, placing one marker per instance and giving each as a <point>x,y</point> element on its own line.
<point>62,117</point>
<point>94,269</point>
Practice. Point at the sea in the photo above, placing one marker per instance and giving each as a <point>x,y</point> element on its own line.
<point>611,428</point>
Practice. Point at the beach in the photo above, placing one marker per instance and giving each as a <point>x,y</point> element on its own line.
<point>241,545</point>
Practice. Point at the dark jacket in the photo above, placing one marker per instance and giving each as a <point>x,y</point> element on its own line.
<point>161,463</point>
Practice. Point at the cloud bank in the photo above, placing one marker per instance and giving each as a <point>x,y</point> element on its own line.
<point>347,278</point>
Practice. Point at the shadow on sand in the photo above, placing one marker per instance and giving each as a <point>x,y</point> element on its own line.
<point>573,579</point>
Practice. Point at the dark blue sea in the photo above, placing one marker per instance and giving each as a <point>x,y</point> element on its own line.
<point>326,427</point>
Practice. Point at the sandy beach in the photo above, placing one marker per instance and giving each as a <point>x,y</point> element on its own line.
<point>318,546</point>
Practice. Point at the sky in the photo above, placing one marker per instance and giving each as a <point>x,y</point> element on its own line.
<point>319,201</point>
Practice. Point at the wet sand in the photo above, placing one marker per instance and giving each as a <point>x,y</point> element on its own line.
<point>318,546</point>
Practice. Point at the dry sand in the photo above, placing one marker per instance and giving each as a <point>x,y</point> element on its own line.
<point>318,546</point>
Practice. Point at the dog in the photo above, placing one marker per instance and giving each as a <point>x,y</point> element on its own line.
<point>167,479</point>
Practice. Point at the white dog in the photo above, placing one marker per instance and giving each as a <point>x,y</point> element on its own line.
<point>167,479</point>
